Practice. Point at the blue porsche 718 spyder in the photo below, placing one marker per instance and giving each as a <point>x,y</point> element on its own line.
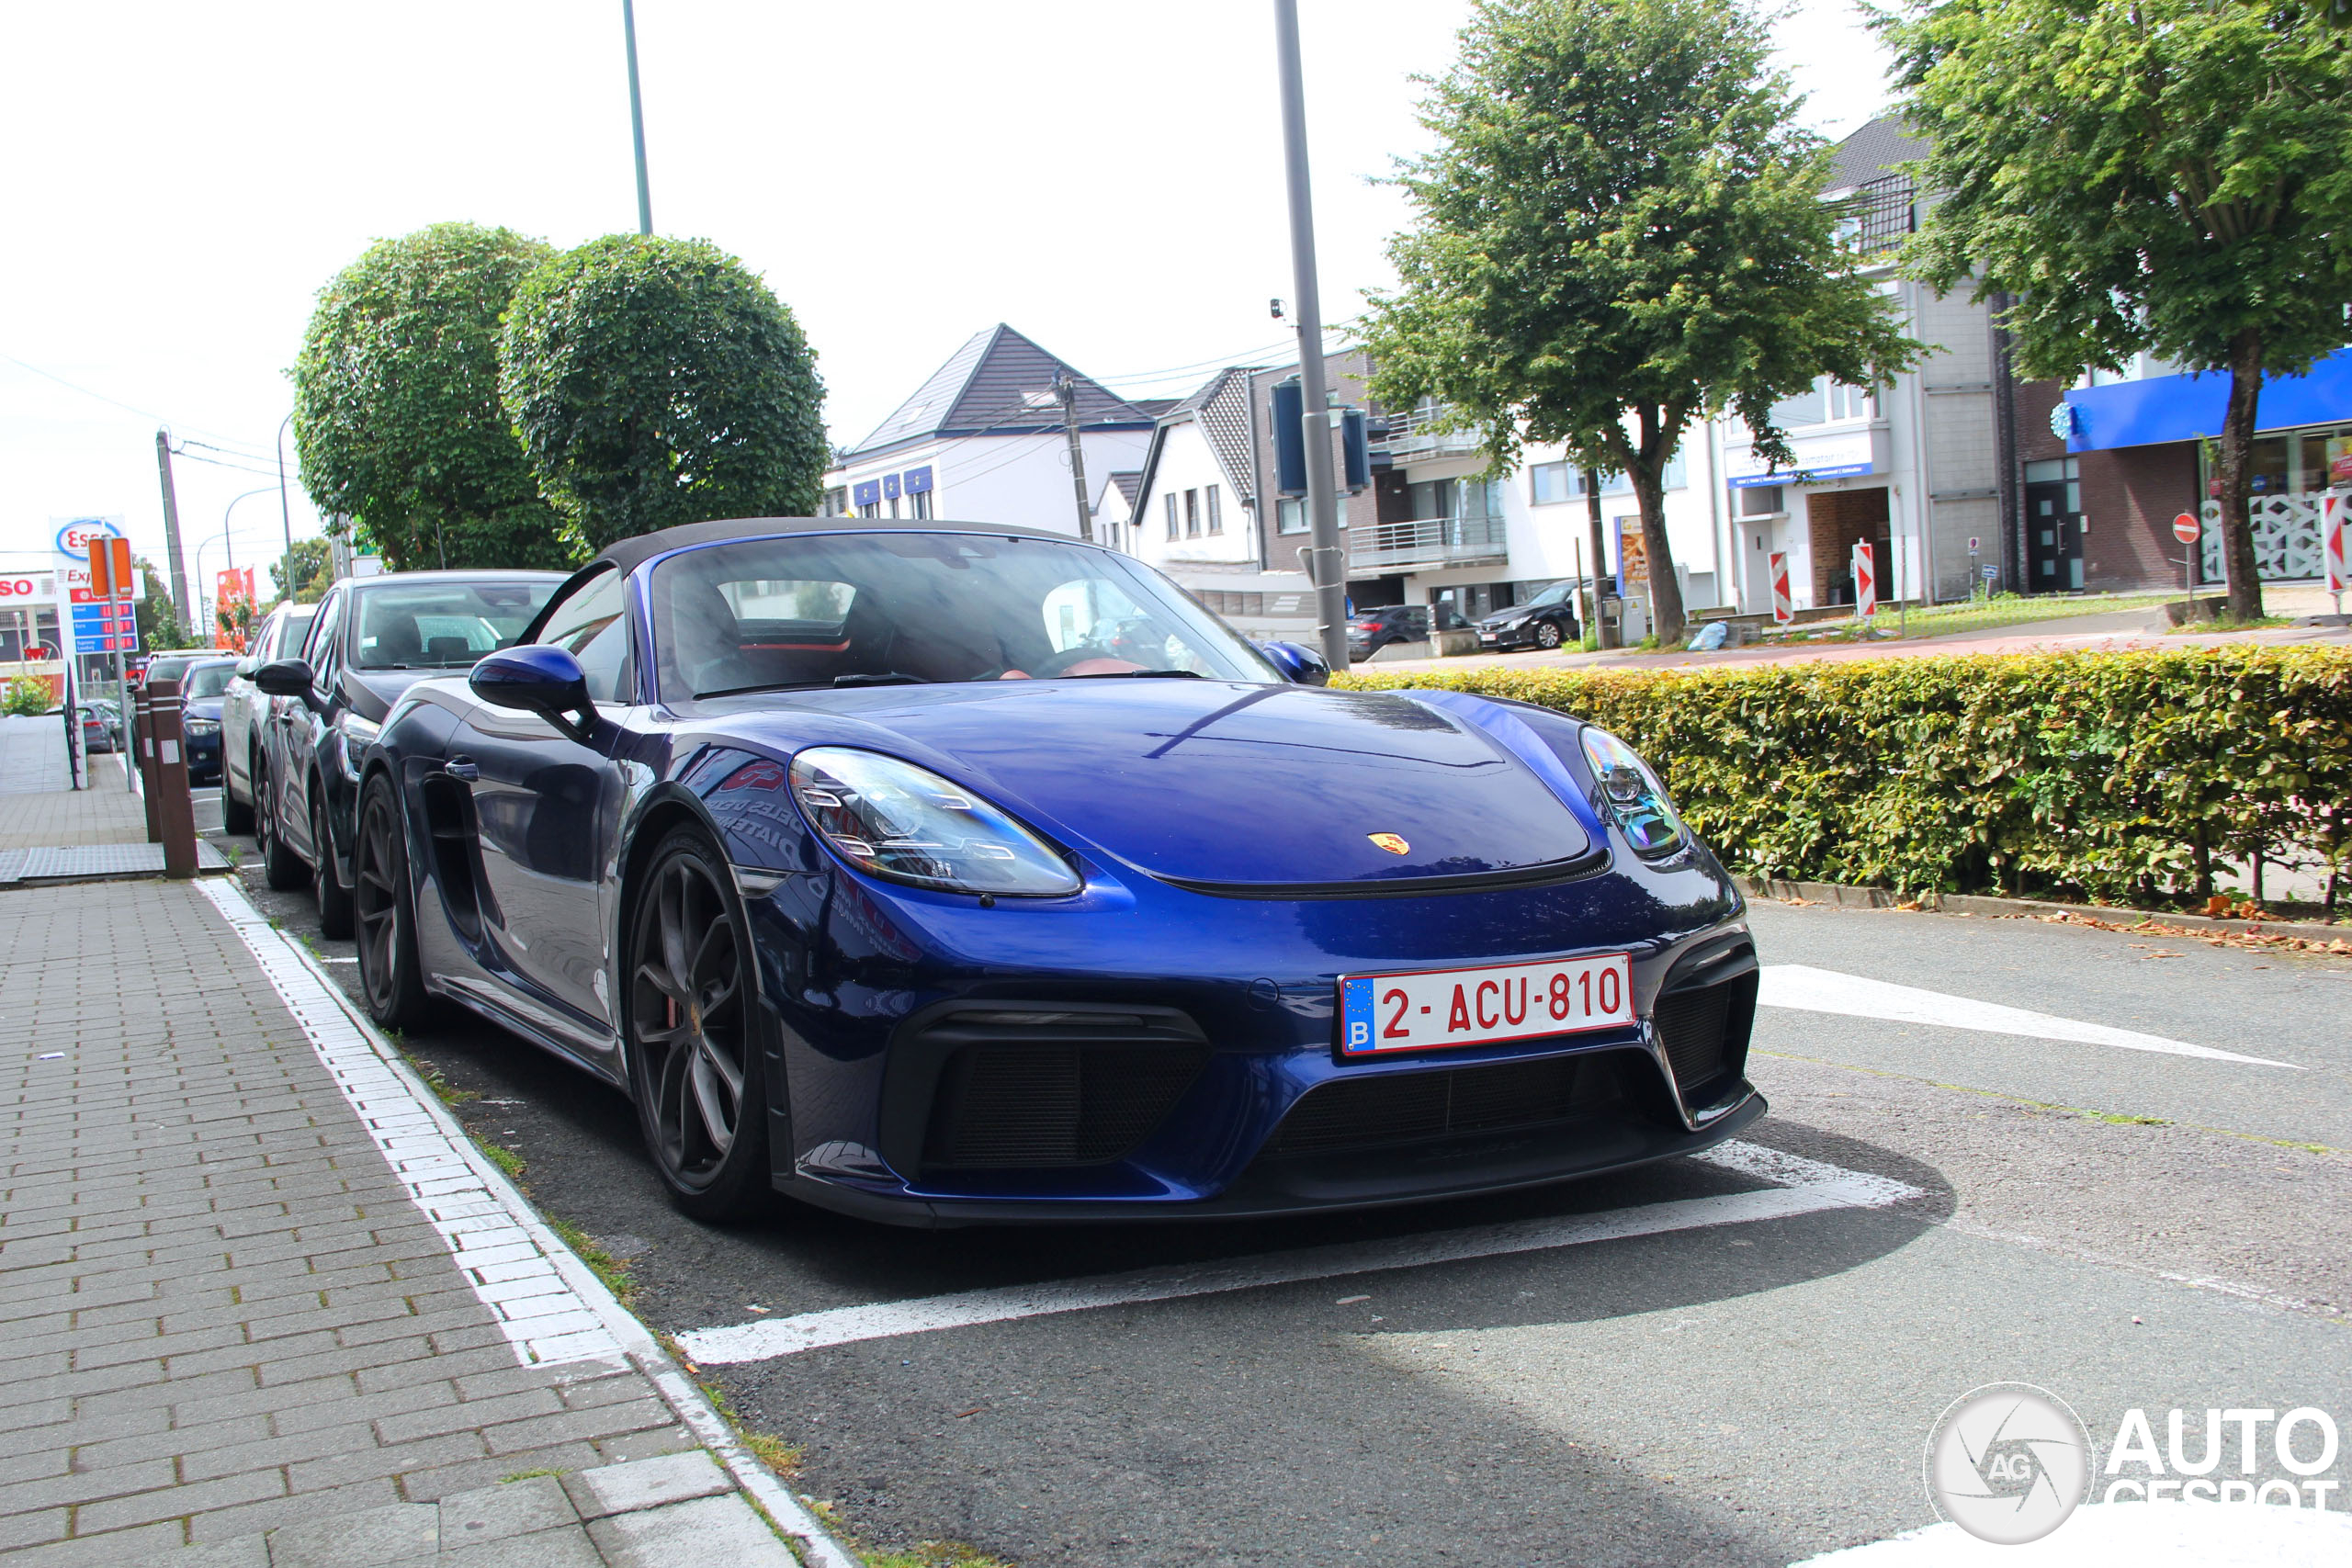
<point>949,872</point>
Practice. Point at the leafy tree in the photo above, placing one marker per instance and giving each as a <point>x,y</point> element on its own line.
<point>396,408</point>
<point>1621,231</point>
<point>2173,175</point>
<point>313,571</point>
<point>658,381</point>
<point>157,617</point>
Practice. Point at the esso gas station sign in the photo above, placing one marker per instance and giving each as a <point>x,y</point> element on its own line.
<point>17,590</point>
<point>73,539</point>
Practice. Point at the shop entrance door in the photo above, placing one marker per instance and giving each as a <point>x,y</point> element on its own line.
<point>2053,534</point>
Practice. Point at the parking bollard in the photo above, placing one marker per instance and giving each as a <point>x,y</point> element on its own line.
<point>142,753</point>
<point>174,808</point>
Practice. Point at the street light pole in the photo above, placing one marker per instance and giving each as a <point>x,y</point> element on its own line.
<point>637,120</point>
<point>285,514</point>
<point>1331,571</point>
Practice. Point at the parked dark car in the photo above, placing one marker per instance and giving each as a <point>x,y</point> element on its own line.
<point>954,872</point>
<point>96,735</point>
<point>371,640</point>
<point>1545,621</point>
<point>245,709</point>
<point>1373,630</point>
<point>202,684</point>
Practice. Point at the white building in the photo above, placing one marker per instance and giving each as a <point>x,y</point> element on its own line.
<point>984,441</point>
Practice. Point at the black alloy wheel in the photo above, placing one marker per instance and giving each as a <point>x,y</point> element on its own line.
<point>281,866</point>
<point>690,1017</point>
<point>384,912</point>
<point>333,898</point>
<point>1547,634</point>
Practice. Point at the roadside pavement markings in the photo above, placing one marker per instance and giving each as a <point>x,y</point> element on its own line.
<point>551,1305</point>
<point>1806,989</point>
<point>1800,1187</point>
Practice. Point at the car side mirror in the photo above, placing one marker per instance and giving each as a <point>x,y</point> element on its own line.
<point>1300,665</point>
<point>283,678</point>
<point>536,678</point>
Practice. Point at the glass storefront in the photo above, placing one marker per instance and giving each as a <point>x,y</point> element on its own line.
<point>2291,472</point>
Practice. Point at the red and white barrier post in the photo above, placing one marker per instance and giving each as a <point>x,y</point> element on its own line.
<point>1865,580</point>
<point>2335,544</point>
<point>1784,609</point>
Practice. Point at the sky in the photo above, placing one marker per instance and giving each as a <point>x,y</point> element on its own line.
<point>1104,175</point>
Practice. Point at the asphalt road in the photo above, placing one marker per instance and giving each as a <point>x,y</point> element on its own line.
<point>2126,1227</point>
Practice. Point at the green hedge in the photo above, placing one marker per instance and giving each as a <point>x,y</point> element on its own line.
<point>2112,775</point>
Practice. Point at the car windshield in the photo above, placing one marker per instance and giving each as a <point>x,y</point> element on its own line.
<point>165,669</point>
<point>892,608</point>
<point>1556,595</point>
<point>207,680</point>
<point>443,625</point>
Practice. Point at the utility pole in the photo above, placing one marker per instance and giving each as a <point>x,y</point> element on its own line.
<point>1599,554</point>
<point>637,120</point>
<point>285,514</point>
<point>1065,389</point>
<point>1327,564</point>
<point>172,524</point>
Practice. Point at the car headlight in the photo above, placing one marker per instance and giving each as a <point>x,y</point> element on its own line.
<point>1632,793</point>
<point>908,824</point>
<point>358,731</point>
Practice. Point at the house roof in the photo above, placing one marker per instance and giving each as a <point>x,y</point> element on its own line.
<point>1221,408</point>
<point>999,383</point>
<point>1130,483</point>
<point>1873,151</point>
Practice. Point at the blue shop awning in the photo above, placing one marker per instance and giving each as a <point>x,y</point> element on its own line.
<point>2184,408</point>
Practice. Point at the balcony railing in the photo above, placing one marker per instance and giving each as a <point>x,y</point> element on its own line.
<point>1411,438</point>
<point>1425,544</point>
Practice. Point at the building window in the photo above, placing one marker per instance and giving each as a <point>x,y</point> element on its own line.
<point>1170,499</point>
<point>1825,402</point>
<point>921,503</point>
<point>1290,516</point>
<point>1216,513</point>
<point>1551,483</point>
<point>871,509</point>
<point>836,501</point>
<point>1192,514</point>
<point>1759,501</point>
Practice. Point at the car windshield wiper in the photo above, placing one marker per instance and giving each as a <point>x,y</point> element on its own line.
<point>763,686</point>
<point>886,678</point>
<point>1138,675</point>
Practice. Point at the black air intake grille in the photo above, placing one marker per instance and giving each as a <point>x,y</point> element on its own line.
<point>1395,1108</point>
<point>1704,1029</point>
<point>1037,1107</point>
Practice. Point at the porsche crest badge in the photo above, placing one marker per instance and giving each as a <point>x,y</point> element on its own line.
<point>1393,843</point>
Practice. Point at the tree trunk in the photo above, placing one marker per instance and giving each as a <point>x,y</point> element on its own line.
<point>2237,461</point>
<point>1666,620</point>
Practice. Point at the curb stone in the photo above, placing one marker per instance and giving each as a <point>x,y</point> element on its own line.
<point>1852,896</point>
<point>808,1537</point>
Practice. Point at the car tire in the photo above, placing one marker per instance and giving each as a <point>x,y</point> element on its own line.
<point>333,898</point>
<point>383,910</point>
<point>690,1022</point>
<point>236,816</point>
<point>1548,635</point>
<point>281,866</point>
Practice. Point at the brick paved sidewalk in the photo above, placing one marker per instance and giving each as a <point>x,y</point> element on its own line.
<point>236,1326</point>
<point>37,810</point>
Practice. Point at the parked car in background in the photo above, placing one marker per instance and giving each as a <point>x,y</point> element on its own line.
<point>244,708</point>
<point>903,868</point>
<point>95,736</point>
<point>165,667</point>
<point>372,639</point>
<point>202,685</point>
<point>1545,621</point>
<point>1373,630</point>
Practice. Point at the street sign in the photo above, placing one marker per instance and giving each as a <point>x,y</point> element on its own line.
<point>1991,572</point>
<point>2185,528</point>
<point>2336,540</point>
<point>1972,544</point>
<point>1783,607</point>
<point>1865,580</point>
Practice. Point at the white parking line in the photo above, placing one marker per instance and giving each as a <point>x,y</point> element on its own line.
<point>1801,1187</point>
<point>1806,989</point>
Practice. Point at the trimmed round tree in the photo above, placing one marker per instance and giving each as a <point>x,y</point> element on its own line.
<point>658,381</point>
<point>396,409</point>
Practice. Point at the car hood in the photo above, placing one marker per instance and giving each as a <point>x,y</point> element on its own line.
<point>373,692</point>
<point>1233,784</point>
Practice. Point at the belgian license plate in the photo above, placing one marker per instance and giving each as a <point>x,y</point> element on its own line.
<point>1429,1010</point>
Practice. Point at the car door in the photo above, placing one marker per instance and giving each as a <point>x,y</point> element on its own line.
<point>240,708</point>
<point>546,801</point>
<point>300,721</point>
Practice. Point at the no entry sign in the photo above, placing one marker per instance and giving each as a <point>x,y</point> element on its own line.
<point>2185,528</point>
